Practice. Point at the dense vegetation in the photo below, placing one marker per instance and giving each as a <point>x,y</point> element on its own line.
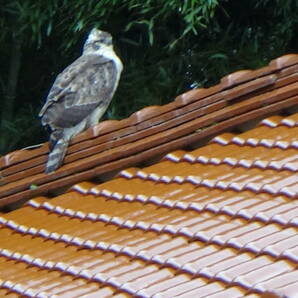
<point>167,47</point>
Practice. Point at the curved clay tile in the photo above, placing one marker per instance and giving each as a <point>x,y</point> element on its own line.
<point>153,131</point>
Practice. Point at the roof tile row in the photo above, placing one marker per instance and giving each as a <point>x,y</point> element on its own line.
<point>146,233</point>
<point>218,221</point>
<point>113,145</point>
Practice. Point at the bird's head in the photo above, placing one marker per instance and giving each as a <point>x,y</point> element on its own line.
<point>98,42</point>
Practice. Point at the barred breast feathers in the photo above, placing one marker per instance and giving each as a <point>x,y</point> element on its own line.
<point>81,94</point>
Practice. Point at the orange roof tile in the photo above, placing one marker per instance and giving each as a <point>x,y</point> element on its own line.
<point>218,221</point>
<point>154,131</point>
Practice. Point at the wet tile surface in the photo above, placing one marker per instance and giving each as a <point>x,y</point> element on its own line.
<point>217,221</point>
<point>157,130</point>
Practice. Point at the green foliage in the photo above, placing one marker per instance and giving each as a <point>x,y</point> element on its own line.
<point>167,47</point>
<point>23,130</point>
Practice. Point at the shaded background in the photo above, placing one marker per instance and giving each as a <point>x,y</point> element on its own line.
<point>167,47</point>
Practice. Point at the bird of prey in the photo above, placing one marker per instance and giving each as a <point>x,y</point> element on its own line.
<point>80,94</point>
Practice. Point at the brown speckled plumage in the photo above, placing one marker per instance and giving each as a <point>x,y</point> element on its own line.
<point>80,94</point>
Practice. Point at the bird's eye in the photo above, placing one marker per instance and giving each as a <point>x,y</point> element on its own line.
<point>96,45</point>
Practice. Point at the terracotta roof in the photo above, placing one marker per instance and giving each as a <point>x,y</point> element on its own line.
<point>218,221</point>
<point>154,131</point>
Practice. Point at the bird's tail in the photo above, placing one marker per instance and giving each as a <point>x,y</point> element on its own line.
<point>56,156</point>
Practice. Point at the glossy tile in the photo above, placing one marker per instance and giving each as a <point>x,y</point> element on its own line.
<point>218,220</point>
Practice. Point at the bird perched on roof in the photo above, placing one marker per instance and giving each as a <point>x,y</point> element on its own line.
<point>80,94</point>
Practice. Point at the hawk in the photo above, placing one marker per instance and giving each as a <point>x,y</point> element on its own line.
<point>80,94</point>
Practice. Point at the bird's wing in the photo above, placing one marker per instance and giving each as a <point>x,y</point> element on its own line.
<point>84,85</point>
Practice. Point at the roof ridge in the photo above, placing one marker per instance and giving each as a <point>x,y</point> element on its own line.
<point>227,82</point>
<point>156,130</point>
